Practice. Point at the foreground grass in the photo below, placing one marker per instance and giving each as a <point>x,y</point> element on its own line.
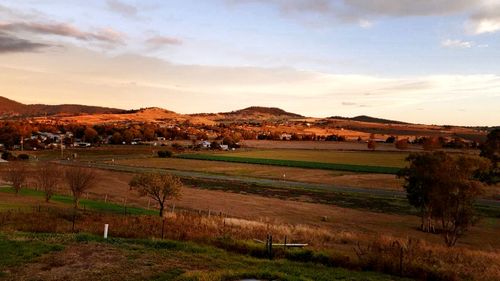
<point>293,163</point>
<point>84,203</point>
<point>158,260</point>
<point>14,252</point>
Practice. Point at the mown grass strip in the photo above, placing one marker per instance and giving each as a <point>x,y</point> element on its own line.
<point>85,203</point>
<point>294,163</point>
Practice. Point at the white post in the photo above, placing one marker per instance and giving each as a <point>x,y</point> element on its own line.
<point>106,227</point>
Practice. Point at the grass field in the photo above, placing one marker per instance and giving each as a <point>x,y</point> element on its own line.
<point>68,200</point>
<point>341,178</point>
<point>360,168</point>
<point>87,257</point>
<point>368,158</point>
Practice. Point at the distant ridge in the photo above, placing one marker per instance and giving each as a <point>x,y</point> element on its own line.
<point>256,110</point>
<point>369,119</point>
<point>9,108</point>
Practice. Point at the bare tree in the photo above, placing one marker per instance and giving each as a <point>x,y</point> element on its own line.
<point>16,175</point>
<point>47,178</point>
<point>79,180</point>
<point>158,187</point>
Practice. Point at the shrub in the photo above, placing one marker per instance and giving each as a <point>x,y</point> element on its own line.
<point>7,155</point>
<point>165,153</point>
<point>23,157</point>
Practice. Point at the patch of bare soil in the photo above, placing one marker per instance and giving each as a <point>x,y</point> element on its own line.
<point>93,261</point>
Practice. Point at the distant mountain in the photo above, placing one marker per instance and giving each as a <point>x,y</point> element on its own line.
<point>262,111</point>
<point>9,108</point>
<point>369,119</point>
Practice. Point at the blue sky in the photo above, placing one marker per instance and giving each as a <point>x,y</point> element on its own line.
<point>429,61</point>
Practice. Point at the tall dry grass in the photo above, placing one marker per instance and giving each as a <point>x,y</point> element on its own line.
<point>383,253</point>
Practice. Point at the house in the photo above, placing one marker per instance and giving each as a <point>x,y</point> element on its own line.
<point>285,136</point>
<point>224,147</point>
<point>206,144</point>
<point>82,144</point>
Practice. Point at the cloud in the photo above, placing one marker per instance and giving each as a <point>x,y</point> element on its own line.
<point>122,8</point>
<point>450,43</point>
<point>363,12</point>
<point>158,41</point>
<point>11,44</point>
<point>63,29</point>
<point>483,16</point>
<point>346,103</point>
<point>485,21</point>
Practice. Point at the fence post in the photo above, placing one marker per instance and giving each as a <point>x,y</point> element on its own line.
<point>106,226</point>
<point>74,217</point>
<point>162,228</point>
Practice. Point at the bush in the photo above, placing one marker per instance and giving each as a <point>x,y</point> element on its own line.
<point>23,157</point>
<point>165,153</point>
<point>6,155</point>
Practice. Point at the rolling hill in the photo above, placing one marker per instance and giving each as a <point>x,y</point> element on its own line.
<point>10,108</point>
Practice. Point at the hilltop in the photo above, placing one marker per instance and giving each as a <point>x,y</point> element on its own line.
<point>10,108</point>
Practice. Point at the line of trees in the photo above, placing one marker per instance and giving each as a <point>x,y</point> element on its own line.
<point>50,177</point>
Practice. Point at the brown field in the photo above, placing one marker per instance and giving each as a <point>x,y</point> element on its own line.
<point>321,145</point>
<point>257,208</point>
<point>271,172</point>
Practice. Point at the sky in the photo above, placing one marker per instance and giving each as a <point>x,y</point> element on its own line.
<point>426,61</point>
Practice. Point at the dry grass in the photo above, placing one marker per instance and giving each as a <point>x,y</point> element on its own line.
<point>380,181</point>
<point>383,253</point>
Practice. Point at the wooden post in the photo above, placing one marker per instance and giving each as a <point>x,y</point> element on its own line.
<point>162,228</point>
<point>270,247</point>
<point>106,198</point>
<point>208,213</point>
<point>74,217</point>
<point>149,202</point>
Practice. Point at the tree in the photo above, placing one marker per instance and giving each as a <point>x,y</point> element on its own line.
<point>401,144</point>
<point>372,145</point>
<point>420,181</point>
<point>431,143</point>
<point>454,200</point>
<point>444,188</point>
<point>157,186</point>
<point>16,175</point>
<point>90,135</point>
<point>490,149</point>
<point>116,138</point>
<point>79,180</point>
<point>47,178</point>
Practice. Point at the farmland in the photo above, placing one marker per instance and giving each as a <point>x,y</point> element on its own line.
<point>368,158</point>
<point>294,163</point>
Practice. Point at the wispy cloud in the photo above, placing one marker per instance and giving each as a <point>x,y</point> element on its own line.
<point>158,41</point>
<point>63,29</point>
<point>122,8</point>
<point>12,44</point>
<point>454,43</point>
<point>363,12</point>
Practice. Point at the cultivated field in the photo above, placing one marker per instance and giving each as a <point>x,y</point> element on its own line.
<point>340,178</point>
<point>370,158</point>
